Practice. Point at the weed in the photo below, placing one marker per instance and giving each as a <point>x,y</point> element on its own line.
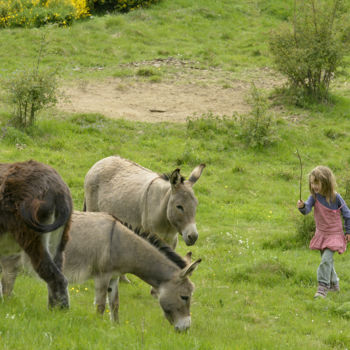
<point>305,227</point>
<point>32,90</point>
<point>266,273</point>
<point>146,72</point>
<point>333,134</point>
<point>283,174</point>
<point>238,169</point>
<point>14,136</point>
<point>189,156</point>
<point>257,129</point>
<point>209,125</point>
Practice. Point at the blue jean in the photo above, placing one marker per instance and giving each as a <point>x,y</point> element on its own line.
<point>325,273</point>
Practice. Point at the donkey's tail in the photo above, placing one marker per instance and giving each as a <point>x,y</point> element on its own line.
<point>36,213</point>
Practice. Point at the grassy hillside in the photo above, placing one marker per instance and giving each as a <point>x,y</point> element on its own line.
<point>255,285</point>
<point>222,34</point>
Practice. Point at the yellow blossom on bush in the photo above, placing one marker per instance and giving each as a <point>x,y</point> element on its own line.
<point>81,7</point>
<point>35,13</point>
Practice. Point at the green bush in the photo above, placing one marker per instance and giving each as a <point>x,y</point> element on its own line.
<point>209,125</point>
<point>257,129</point>
<point>310,51</point>
<point>100,6</point>
<point>305,226</point>
<point>31,90</point>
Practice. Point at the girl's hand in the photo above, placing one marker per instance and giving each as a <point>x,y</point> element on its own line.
<point>300,204</point>
<point>347,237</point>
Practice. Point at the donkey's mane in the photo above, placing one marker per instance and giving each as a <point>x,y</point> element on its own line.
<point>166,177</point>
<point>158,243</point>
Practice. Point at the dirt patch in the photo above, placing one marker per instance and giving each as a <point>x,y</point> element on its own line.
<point>187,92</point>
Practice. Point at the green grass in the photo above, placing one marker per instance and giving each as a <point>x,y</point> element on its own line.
<point>255,285</point>
<point>213,34</point>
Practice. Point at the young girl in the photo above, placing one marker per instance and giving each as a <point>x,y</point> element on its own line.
<point>329,236</point>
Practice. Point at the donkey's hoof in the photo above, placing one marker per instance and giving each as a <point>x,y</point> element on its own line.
<point>61,303</point>
<point>124,279</point>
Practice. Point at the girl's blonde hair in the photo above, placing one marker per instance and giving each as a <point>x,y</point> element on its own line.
<point>325,176</point>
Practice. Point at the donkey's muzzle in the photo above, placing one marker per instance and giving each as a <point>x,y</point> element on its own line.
<point>190,234</point>
<point>183,324</point>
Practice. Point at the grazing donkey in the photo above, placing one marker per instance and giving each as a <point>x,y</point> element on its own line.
<point>161,204</point>
<point>102,248</point>
<point>34,201</point>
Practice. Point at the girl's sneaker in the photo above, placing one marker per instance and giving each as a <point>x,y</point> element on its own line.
<point>334,287</point>
<point>321,291</point>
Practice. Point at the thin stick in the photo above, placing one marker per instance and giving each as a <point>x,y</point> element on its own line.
<point>301,174</point>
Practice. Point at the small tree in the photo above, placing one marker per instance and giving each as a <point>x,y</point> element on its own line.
<point>310,52</point>
<point>29,91</point>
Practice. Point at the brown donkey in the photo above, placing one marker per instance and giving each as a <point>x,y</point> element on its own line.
<point>34,201</point>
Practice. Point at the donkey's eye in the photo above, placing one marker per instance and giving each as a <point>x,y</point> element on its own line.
<point>184,297</point>
<point>180,207</point>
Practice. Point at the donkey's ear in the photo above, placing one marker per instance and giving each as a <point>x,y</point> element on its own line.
<point>187,271</point>
<point>196,174</point>
<point>188,258</point>
<point>175,178</point>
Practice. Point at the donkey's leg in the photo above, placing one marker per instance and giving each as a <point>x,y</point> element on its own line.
<point>101,288</point>
<point>57,284</point>
<point>10,267</point>
<point>113,299</point>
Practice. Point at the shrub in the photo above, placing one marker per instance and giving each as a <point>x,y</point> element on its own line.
<point>30,90</point>
<point>257,129</point>
<point>118,5</point>
<point>305,226</point>
<point>310,51</point>
<point>36,13</point>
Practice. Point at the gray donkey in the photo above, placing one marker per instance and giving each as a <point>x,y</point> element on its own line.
<point>161,204</point>
<point>102,248</point>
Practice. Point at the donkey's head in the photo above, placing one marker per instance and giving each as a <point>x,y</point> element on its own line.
<point>175,297</point>
<point>182,205</point>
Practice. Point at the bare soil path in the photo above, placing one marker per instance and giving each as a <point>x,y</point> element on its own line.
<point>187,92</point>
